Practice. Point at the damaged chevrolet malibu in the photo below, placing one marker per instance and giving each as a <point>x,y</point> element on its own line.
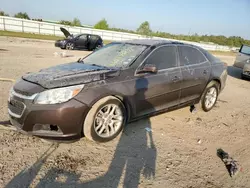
<point>121,82</point>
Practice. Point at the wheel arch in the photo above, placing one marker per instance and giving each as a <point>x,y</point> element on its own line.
<point>122,98</point>
<point>217,80</point>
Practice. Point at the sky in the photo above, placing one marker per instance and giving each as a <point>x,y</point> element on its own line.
<point>213,17</point>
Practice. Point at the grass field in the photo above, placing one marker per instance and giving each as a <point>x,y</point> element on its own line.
<point>29,35</point>
<point>52,37</point>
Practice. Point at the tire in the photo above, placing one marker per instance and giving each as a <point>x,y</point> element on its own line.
<point>97,47</point>
<point>70,46</point>
<point>95,122</point>
<point>242,76</point>
<point>212,89</point>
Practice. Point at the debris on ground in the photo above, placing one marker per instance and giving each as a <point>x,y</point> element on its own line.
<point>199,141</point>
<point>193,109</point>
<point>231,164</point>
<point>198,119</point>
<point>67,162</point>
<point>148,129</point>
<point>62,54</point>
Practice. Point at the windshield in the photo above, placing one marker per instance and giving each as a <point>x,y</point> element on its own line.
<point>73,36</point>
<point>115,55</point>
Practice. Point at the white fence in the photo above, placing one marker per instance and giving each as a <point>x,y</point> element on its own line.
<point>28,26</point>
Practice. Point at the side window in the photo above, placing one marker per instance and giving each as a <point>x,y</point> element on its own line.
<point>83,37</point>
<point>190,56</point>
<point>93,37</point>
<point>245,50</point>
<point>163,57</point>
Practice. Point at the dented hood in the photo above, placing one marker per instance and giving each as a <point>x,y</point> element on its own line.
<point>69,74</point>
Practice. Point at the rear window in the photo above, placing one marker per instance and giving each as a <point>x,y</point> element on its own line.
<point>190,56</point>
<point>94,37</point>
<point>209,56</point>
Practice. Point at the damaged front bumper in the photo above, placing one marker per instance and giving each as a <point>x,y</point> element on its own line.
<point>59,122</point>
<point>60,44</point>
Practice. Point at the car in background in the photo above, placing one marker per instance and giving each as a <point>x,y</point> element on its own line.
<point>242,61</point>
<point>79,41</point>
<point>119,83</point>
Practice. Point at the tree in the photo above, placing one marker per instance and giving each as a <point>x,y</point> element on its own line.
<point>65,22</point>
<point>76,22</point>
<point>2,13</point>
<point>144,29</point>
<point>22,15</point>
<point>102,24</point>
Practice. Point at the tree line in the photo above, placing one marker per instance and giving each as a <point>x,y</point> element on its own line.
<point>144,29</point>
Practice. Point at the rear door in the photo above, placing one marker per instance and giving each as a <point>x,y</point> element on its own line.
<point>195,69</point>
<point>81,41</point>
<point>93,41</point>
<point>161,90</point>
<point>242,57</point>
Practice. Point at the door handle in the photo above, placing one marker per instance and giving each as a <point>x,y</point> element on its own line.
<point>205,72</point>
<point>175,79</point>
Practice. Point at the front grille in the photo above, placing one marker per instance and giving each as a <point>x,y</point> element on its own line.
<point>23,92</point>
<point>16,107</point>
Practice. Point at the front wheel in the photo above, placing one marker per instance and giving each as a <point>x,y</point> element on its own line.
<point>105,120</point>
<point>70,46</point>
<point>209,96</point>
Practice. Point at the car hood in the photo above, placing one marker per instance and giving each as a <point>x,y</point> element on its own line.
<point>70,74</point>
<point>65,32</point>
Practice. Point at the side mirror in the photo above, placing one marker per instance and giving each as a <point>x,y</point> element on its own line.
<point>148,68</point>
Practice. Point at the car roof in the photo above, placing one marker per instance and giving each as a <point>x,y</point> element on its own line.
<point>150,42</point>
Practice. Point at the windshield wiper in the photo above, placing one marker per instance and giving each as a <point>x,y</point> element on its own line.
<point>80,60</point>
<point>102,66</point>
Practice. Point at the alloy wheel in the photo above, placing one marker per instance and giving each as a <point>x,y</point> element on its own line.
<point>210,97</point>
<point>108,120</point>
<point>69,46</point>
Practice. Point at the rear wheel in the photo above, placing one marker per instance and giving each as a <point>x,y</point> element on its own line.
<point>97,47</point>
<point>105,120</point>
<point>70,46</point>
<point>209,96</point>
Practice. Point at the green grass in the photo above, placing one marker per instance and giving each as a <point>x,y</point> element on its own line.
<point>29,35</point>
<point>51,37</point>
<point>223,53</point>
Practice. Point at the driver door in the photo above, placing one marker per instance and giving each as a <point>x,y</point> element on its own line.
<point>161,90</point>
<point>81,41</point>
<point>242,57</point>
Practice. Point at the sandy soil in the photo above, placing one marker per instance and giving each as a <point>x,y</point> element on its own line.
<point>183,147</point>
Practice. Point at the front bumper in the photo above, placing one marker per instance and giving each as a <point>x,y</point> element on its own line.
<point>245,75</point>
<point>37,120</point>
<point>60,44</point>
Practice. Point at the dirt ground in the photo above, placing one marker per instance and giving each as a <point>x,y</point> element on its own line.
<point>181,152</point>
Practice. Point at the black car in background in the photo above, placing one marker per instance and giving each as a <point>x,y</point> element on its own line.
<point>79,41</point>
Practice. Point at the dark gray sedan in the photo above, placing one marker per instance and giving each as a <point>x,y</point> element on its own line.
<point>121,82</point>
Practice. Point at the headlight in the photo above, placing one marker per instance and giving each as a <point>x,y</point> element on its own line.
<point>60,95</point>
